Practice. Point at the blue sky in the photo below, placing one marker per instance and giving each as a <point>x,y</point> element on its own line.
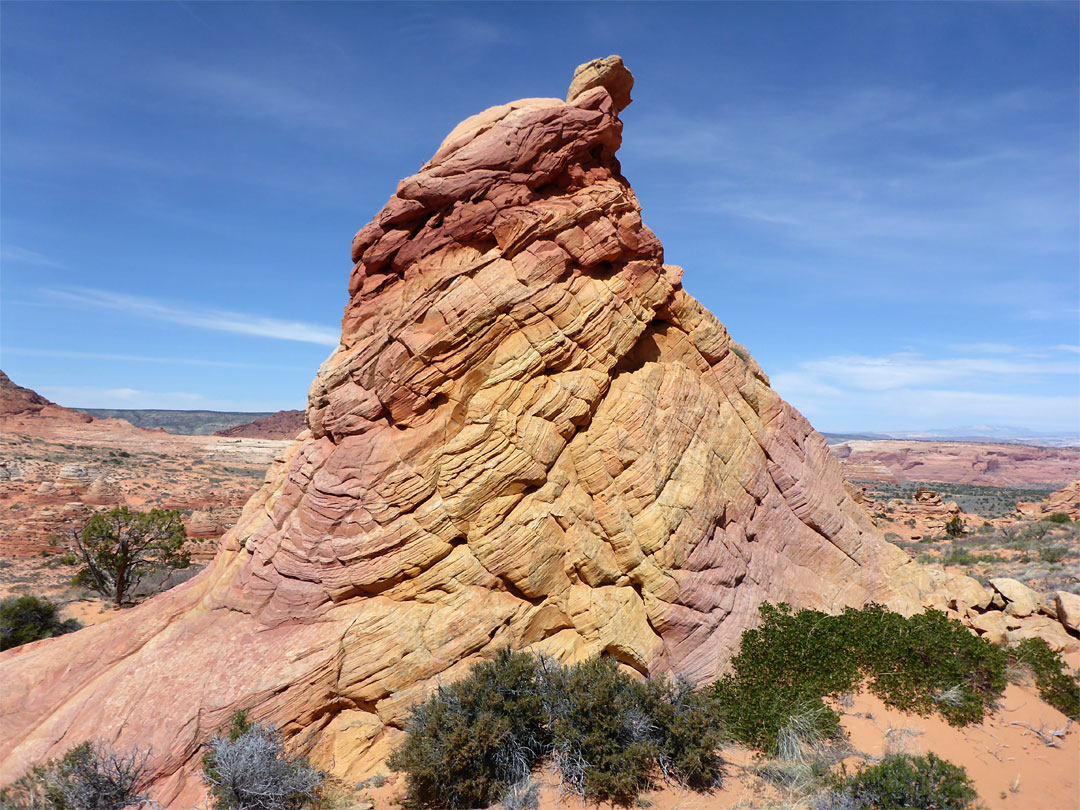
<point>880,200</point>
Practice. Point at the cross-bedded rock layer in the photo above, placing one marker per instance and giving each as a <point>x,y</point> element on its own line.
<point>529,435</point>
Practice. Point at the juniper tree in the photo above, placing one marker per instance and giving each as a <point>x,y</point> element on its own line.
<point>118,548</point>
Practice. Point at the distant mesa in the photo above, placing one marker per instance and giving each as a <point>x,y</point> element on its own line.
<point>179,422</point>
<point>280,425</point>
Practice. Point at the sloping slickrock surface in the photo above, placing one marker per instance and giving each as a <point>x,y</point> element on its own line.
<point>529,435</point>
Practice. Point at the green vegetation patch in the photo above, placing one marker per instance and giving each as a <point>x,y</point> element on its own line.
<point>902,782</point>
<point>1056,685</point>
<point>29,618</point>
<point>788,666</point>
<point>476,742</point>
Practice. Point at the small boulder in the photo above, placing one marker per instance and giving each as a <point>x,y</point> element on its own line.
<point>1021,600</point>
<point>1048,630</point>
<point>1068,609</point>
<point>991,625</point>
<point>965,592</point>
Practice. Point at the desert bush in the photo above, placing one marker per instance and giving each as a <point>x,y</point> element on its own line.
<point>902,782</point>
<point>1053,554</point>
<point>247,768</point>
<point>955,527</point>
<point>118,548</point>
<point>475,742</point>
<point>471,741</point>
<point>1057,517</point>
<point>28,618</point>
<point>787,666</point>
<point>88,777</point>
<point>602,737</point>
<point>1056,685</point>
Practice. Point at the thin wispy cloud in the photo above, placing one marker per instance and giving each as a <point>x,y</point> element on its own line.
<point>916,392</point>
<point>912,370</point>
<point>132,358</point>
<point>236,93</point>
<point>88,396</point>
<point>19,255</point>
<point>95,397</point>
<point>814,170</point>
<point>197,317</point>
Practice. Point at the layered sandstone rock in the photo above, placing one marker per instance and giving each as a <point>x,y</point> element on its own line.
<point>530,435</point>
<point>1065,501</point>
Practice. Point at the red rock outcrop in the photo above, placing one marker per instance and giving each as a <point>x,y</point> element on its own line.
<point>280,425</point>
<point>530,435</point>
<point>1065,501</point>
<point>994,465</point>
<point>18,403</point>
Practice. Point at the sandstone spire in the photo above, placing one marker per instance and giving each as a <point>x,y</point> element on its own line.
<point>530,435</point>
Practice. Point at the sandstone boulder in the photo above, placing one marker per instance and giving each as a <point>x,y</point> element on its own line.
<point>966,592</point>
<point>1047,629</point>
<point>1020,600</point>
<point>991,626</point>
<point>1068,609</point>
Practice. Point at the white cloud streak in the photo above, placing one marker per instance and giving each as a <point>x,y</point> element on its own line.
<point>18,255</point>
<point>911,392</point>
<point>199,318</point>
<point>132,358</point>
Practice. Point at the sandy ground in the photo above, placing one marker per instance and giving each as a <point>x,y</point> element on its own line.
<point>1013,768</point>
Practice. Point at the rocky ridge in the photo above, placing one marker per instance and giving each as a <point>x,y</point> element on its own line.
<point>1065,501</point>
<point>980,464</point>
<point>530,435</point>
<point>280,425</point>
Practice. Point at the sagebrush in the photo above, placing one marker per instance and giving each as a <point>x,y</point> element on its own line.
<point>90,776</point>
<point>248,768</point>
<point>475,742</point>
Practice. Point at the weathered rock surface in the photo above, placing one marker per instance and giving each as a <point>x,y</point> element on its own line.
<point>1064,501</point>
<point>530,435</point>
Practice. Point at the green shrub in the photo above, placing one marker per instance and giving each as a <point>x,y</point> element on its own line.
<point>28,618</point>
<point>1056,685</point>
<point>905,782</point>
<point>960,556</point>
<point>476,741</point>
<point>88,777</point>
<point>787,666</point>
<point>1057,517</point>
<point>686,732</point>
<point>1053,554</point>
<point>955,527</point>
<point>600,734</point>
